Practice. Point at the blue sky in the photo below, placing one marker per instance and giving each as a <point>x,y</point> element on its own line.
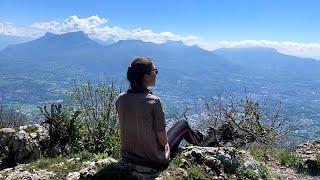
<point>275,21</point>
<point>281,20</point>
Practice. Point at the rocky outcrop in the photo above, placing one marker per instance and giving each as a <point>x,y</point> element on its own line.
<point>215,163</point>
<point>90,169</point>
<point>310,154</point>
<point>22,145</point>
<point>204,162</point>
<point>20,172</point>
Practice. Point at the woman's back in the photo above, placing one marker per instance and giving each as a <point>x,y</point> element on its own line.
<point>141,117</point>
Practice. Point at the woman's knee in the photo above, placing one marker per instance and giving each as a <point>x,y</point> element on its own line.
<point>183,123</point>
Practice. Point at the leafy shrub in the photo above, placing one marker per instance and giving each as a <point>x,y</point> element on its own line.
<point>88,123</point>
<point>64,128</point>
<point>99,116</point>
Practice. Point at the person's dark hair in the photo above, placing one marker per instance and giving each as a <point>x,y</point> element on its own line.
<point>135,74</point>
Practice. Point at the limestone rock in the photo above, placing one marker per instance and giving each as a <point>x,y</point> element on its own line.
<point>310,154</point>
<point>90,169</point>
<point>19,172</point>
<point>23,146</point>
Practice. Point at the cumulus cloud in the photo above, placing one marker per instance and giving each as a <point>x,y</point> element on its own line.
<point>97,27</point>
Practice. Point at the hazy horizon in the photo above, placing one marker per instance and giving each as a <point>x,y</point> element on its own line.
<point>289,27</point>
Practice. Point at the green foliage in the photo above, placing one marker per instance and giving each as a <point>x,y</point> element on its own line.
<point>100,155</point>
<point>88,123</point>
<point>248,174</point>
<point>64,127</point>
<point>318,161</point>
<point>289,158</point>
<point>85,155</point>
<point>197,173</point>
<point>10,117</point>
<point>99,117</point>
<point>31,129</point>
<point>176,162</point>
<point>256,153</point>
<point>265,174</point>
<point>261,153</point>
<point>61,166</point>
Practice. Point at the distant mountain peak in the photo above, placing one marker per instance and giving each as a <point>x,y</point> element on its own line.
<point>174,43</point>
<point>76,34</point>
<point>255,49</point>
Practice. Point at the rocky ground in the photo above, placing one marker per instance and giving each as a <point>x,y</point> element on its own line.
<point>287,173</point>
<point>26,147</point>
<point>193,162</point>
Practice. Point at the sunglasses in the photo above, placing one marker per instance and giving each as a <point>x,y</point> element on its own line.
<point>155,70</point>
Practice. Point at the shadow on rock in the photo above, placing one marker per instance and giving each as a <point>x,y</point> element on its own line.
<point>124,170</point>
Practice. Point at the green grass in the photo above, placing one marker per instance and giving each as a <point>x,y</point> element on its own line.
<point>59,165</point>
<point>289,158</point>
<point>265,172</point>
<point>282,156</point>
<point>257,153</point>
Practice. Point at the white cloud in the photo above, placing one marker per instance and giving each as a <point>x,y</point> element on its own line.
<point>11,30</point>
<point>98,27</point>
<point>307,50</point>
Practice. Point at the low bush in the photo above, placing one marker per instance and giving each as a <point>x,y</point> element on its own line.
<point>289,158</point>
<point>88,123</point>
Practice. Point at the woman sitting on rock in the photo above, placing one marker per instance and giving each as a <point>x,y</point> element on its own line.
<point>144,139</point>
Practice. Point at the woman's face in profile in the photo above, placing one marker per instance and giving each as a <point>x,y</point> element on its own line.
<point>150,79</point>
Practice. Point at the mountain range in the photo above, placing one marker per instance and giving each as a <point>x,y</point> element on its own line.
<point>43,69</point>
<point>6,40</point>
